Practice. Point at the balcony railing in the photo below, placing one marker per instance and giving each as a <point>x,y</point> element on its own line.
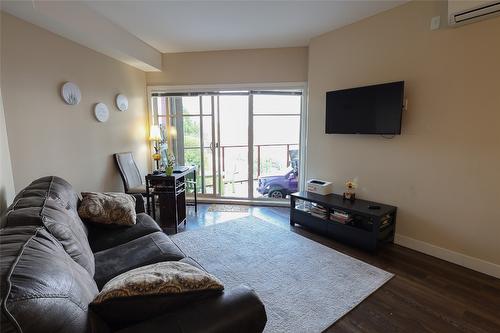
<point>259,153</point>
<point>230,178</point>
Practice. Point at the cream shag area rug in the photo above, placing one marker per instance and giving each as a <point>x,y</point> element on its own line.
<point>304,285</point>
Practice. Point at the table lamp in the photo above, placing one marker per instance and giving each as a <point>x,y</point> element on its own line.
<point>155,137</point>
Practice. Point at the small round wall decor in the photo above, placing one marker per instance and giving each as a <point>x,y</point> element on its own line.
<point>122,102</point>
<point>101,112</point>
<point>71,93</point>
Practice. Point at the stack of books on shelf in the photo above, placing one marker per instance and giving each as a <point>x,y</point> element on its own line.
<point>303,205</point>
<point>340,217</point>
<point>319,211</point>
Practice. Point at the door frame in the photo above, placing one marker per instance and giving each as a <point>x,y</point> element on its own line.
<point>246,86</point>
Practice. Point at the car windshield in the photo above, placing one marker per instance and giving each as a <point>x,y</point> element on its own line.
<point>289,170</point>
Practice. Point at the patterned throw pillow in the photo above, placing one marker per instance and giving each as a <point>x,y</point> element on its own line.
<point>170,277</point>
<point>154,290</point>
<point>108,208</point>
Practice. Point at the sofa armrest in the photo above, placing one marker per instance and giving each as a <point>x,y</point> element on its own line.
<point>237,310</point>
<point>139,203</point>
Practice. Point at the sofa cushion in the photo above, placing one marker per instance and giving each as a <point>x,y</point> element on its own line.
<point>102,238</point>
<point>64,224</point>
<point>149,249</point>
<point>163,278</point>
<point>42,288</point>
<point>53,187</point>
<point>149,291</point>
<point>108,208</point>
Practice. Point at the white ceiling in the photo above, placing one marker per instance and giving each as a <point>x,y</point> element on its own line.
<point>136,31</point>
<point>182,26</point>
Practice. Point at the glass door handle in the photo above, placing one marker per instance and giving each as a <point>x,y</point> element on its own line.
<point>213,146</point>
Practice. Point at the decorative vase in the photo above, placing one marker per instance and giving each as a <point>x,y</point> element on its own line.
<point>169,170</point>
<point>349,195</point>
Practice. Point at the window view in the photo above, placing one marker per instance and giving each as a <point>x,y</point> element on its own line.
<point>233,145</point>
<point>245,144</point>
<point>276,134</point>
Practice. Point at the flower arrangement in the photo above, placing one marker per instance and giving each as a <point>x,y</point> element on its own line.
<point>171,160</point>
<point>350,186</point>
<point>169,169</point>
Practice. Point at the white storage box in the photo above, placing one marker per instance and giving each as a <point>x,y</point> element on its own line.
<point>319,186</point>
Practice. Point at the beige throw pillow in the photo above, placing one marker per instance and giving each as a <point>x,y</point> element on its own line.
<point>164,278</point>
<point>108,208</point>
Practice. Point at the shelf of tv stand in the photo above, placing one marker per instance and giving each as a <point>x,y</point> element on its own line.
<point>364,231</point>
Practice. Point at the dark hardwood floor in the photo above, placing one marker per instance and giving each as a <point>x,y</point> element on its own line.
<point>426,294</point>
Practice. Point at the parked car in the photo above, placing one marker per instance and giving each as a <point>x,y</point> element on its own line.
<point>279,186</point>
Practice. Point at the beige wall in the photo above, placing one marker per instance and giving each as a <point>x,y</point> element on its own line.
<point>443,172</point>
<point>6,179</point>
<point>48,137</point>
<point>232,67</point>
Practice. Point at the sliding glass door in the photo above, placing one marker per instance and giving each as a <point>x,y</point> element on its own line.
<point>232,146</point>
<point>245,143</point>
<point>193,119</point>
<point>276,137</point>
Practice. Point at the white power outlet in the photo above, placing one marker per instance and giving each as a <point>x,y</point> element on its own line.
<point>435,22</point>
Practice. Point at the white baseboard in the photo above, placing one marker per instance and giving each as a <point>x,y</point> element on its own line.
<point>476,264</point>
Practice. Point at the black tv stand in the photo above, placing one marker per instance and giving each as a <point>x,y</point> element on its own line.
<point>352,222</point>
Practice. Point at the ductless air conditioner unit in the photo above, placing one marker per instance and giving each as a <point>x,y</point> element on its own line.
<point>462,11</point>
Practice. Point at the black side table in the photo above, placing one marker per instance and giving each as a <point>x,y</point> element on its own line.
<point>171,192</point>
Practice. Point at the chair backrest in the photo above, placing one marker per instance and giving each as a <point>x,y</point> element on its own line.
<point>128,170</point>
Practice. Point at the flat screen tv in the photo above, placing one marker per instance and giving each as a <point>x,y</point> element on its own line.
<point>373,109</point>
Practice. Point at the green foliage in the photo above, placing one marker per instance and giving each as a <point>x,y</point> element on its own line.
<point>191,132</point>
<point>191,139</point>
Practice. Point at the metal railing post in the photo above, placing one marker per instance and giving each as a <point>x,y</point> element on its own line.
<point>258,160</point>
<point>287,155</point>
<point>223,160</point>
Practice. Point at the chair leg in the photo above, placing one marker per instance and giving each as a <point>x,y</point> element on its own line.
<point>148,204</point>
<point>154,206</point>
